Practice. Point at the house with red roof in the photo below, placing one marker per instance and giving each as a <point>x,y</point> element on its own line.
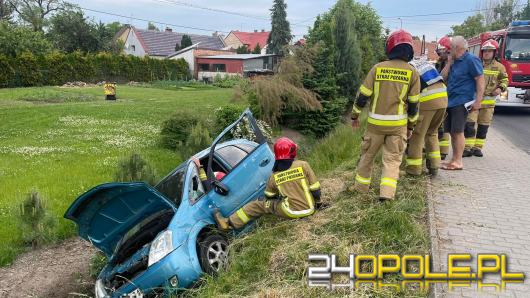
<point>236,39</point>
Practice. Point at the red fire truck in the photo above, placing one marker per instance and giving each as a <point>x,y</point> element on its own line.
<point>514,54</point>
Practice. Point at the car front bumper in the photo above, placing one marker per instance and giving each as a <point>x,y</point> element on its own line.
<point>177,264</point>
<point>516,99</point>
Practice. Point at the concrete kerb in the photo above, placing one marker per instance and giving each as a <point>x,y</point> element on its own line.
<point>433,233</point>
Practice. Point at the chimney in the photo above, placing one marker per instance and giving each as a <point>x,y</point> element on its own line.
<point>255,31</point>
<point>262,30</point>
<point>169,29</point>
<point>215,34</point>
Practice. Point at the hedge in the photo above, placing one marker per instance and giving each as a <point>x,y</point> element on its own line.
<point>56,68</point>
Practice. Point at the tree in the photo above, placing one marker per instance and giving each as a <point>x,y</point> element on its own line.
<point>34,12</point>
<point>504,13</point>
<point>280,35</point>
<point>185,41</point>
<point>242,50</point>
<point>152,27</point>
<point>472,26</point>
<point>347,51</point>
<point>15,40</point>
<point>6,11</point>
<point>70,30</point>
<point>525,13</point>
<point>257,49</point>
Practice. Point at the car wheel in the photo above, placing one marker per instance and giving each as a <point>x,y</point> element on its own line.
<point>213,251</point>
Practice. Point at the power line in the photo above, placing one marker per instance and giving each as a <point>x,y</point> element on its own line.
<point>152,21</point>
<point>444,13</point>
<point>186,4</point>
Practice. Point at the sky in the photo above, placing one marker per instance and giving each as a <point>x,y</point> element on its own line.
<point>249,15</point>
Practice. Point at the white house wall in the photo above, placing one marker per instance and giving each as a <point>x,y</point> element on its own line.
<point>189,56</point>
<point>132,40</point>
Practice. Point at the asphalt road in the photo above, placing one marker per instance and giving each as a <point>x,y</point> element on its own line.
<point>515,125</point>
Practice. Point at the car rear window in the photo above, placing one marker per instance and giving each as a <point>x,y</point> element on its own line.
<point>232,155</point>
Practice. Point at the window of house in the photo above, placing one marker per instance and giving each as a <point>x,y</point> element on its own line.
<point>219,67</point>
<point>133,48</point>
<point>204,67</point>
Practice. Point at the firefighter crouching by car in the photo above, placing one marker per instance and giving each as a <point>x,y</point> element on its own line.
<point>496,83</point>
<point>433,102</point>
<point>443,50</point>
<point>292,191</point>
<point>393,89</point>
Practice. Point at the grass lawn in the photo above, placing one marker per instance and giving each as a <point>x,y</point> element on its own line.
<point>63,141</point>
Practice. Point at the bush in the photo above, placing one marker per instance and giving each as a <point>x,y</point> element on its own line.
<point>198,139</point>
<point>176,129</point>
<point>227,81</point>
<point>135,168</point>
<point>99,260</point>
<point>35,223</point>
<point>56,68</point>
<point>225,116</point>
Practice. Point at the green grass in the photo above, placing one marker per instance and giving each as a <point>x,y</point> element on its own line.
<point>59,143</point>
<point>271,261</point>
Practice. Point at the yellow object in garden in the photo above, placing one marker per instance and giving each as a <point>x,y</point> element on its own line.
<point>110,90</point>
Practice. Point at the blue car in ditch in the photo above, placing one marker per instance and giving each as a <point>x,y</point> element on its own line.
<point>158,239</point>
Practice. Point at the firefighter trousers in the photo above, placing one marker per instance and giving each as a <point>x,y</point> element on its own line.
<point>254,210</point>
<point>444,138</point>
<point>393,146</point>
<point>425,136</point>
<point>476,134</point>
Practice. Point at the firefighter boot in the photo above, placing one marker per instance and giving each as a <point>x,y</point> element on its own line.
<point>467,153</point>
<point>477,152</point>
<point>222,222</point>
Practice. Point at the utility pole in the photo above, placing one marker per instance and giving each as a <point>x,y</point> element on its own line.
<point>401,21</point>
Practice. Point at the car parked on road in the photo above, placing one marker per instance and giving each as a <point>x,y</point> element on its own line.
<point>161,238</point>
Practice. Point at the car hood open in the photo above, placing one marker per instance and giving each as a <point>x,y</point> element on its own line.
<point>107,212</point>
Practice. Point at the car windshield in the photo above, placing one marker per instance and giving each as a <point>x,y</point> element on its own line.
<point>172,186</point>
<point>518,47</point>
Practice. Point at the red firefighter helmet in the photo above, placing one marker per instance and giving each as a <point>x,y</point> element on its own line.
<point>396,38</point>
<point>490,44</point>
<point>444,43</point>
<point>285,148</point>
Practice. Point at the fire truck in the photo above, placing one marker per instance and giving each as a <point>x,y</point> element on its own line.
<point>514,54</point>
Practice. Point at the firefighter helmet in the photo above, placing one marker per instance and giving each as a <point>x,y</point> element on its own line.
<point>285,148</point>
<point>490,44</point>
<point>219,175</point>
<point>396,38</point>
<point>444,43</point>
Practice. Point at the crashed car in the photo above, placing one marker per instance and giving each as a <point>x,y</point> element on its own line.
<point>162,238</point>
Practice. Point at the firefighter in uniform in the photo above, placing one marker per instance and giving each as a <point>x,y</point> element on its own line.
<point>293,191</point>
<point>433,102</point>
<point>393,89</point>
<point>496,83</point>
<point>443,50</point>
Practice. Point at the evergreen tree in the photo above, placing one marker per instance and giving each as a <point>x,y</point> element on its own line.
<point>152,27</point>
<point>347,51</point>
<point>257,49</point>
<point>242,50</point>
<point>186,41</point>
<point>280,35</point>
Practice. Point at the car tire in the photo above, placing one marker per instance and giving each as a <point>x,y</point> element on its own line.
<point>213,253</point>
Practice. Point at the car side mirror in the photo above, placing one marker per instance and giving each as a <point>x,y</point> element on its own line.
<point>220,188</point>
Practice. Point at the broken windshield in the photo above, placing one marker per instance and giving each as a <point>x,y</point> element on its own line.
<point>172,186</point>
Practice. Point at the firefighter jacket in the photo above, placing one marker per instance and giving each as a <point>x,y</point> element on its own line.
<point>294,186</point>
<point>496,77</point>
<point>393,88</point>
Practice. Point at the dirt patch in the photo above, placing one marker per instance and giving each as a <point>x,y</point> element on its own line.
<point>56,271</point>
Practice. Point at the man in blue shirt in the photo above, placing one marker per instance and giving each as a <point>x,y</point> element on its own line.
<point>465,84</point>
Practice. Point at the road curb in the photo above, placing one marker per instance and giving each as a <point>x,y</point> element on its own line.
<point>433,234</point>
